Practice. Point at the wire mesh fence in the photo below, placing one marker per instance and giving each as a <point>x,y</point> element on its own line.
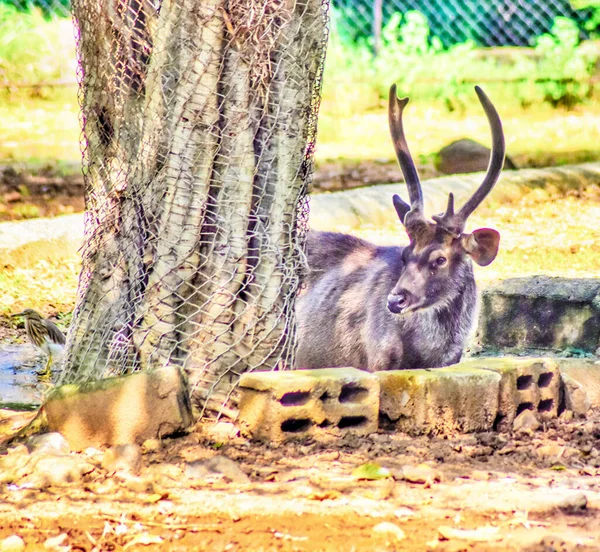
<point>486,23</point>
<point>199,122</point>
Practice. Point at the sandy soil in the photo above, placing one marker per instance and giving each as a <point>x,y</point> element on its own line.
<point>490,491</point>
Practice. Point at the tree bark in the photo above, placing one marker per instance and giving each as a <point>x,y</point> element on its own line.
<point>200,120</point>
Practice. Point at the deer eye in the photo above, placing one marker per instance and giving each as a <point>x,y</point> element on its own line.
<point>440,261</point>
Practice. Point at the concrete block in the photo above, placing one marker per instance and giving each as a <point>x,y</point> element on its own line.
<point>575,397</point>
<point>526,384</point>
<point>440,400</point>
<point>114,411</point>
<point>279,406</point>
<point>585,372</point>
<point>541,312</point>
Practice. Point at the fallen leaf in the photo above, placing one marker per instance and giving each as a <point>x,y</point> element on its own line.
<point>54,543</point>
<point>481,534</point>
<point>151,499</point>
<point>371,471</point>
<point>324,495</point>
<point>389,530</point>
<point>145,539</point>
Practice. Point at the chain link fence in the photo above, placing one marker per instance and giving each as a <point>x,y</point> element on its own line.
<point>485,22</point>
<point>199,123</point>
<point>36,40</point>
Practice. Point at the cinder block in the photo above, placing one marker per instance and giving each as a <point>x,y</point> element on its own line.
<point>576,398</point>
<point>440,400</point>
<point>114,411</point>
<point>526,384</point>
<point>279,406</point>
<point>586,372</point>
<point>541,312</point>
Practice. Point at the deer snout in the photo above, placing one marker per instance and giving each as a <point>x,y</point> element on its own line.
<point>397,302</point>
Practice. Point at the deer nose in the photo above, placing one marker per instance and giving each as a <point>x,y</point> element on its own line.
<point>397,302</point>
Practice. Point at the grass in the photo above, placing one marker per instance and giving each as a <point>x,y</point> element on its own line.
<point>537,134</point>
<point>40,275</point>
<point>555,235</point>
<point>40,130</point>
<point>34,48</point>
<point>41,125</point>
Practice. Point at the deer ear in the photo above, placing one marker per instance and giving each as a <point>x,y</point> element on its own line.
<point>482,245</point>
<point>401,207</point>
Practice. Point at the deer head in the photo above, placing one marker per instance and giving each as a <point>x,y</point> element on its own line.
<point>436,262</point>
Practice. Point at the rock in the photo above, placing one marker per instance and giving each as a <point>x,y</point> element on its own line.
<point>125,458</point>
<point>151,445</point>
<point>419,474</point>
<point>590,427</point>
<point>139,485</point>
<point>576,398</point>
<point>526,421</point>
<point>466,156</point>
<point>16,464</point>
<point>481,534</point>
<point>566,416</point>
<point>573,504</point>
<point>389,530</point>
<point>121,410</point>
<point>216,465</point>
<point>404,513</point>
<point>56,543</point>
<point>548,451</point>
<point>586,372</point>
<point>48,443</point>
<point>479,475</point>
<point>221,432</point>
<point>55,471</point>
<point>14,543</point>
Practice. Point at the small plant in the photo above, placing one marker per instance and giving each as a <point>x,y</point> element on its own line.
<point>565,67</point>
<point>559,72</point>
<point>26,211</point>
<point>34,48</point>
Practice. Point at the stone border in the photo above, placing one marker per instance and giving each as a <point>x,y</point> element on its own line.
<point>373,204</point>
<point>478,394</point>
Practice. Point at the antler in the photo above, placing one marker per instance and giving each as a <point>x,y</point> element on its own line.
<point>405,160</point>
<point>456,223</point>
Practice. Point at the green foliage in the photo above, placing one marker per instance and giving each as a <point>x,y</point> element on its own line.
<point>565,67</point>
<point>35,48</point>
<point>355,79</point>
<point>371,471</point>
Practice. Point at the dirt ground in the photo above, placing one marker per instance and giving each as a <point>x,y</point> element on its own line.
<point>536,491</point>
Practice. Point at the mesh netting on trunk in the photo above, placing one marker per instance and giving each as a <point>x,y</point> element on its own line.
<point>199,120</point>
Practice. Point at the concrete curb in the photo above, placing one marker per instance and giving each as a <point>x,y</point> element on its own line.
<point>373,204</point>
<point>351,208</point>
<point>278,406</point>
<point>478,394</point>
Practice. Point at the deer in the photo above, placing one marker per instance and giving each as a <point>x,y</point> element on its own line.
<point>398,307</point>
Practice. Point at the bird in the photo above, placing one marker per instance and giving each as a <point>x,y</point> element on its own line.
<point>45,335</point>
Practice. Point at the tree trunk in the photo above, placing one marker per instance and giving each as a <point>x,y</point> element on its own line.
<point>200,121</point>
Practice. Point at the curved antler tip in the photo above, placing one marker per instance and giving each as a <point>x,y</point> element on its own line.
<point>394,96</point>
<point>481,95</point>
